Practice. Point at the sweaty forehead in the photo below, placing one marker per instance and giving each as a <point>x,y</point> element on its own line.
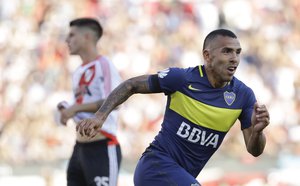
<point>224,42</point>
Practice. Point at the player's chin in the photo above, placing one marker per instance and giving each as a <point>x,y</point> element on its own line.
<point>228,78</point>
<point>73,52</point>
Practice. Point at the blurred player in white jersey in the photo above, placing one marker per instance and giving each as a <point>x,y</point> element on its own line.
<point>94,161</point>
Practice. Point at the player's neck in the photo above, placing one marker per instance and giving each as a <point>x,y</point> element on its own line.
<point>213,80</point>
<point>215,83</point>
<point>89,56</point>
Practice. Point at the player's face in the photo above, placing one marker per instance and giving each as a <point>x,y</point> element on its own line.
<point>223,58</point>
<point>75,40</point>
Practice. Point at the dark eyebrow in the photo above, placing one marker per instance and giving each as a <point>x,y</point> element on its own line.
<point>232,49</point>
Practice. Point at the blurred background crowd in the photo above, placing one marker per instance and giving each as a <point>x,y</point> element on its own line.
<point>142,37</point>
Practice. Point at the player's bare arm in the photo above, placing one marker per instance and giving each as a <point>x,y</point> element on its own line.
<point>68,112</point>
<point>254,137</point>
<point>118,96</point>
<point>124,91</point>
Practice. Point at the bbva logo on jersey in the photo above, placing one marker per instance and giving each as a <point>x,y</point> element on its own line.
<point>163,73</point>
<point>196,135</point>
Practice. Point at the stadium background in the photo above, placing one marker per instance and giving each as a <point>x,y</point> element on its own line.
<point>144,37</point>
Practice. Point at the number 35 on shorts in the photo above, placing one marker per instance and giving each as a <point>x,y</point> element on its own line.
<point>101,181</point>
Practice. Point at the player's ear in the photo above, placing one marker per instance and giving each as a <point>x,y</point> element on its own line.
<point>205,54</point>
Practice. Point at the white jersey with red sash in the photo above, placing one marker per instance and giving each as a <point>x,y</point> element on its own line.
<point>94,81</point>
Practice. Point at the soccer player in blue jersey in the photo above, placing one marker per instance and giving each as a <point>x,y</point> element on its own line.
<point>203,103</point>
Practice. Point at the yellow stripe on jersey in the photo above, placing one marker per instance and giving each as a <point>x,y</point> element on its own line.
<point>200,70</point>
<point>220,119</point>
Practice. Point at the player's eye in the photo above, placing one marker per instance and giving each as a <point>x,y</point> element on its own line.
<point>226,51</point>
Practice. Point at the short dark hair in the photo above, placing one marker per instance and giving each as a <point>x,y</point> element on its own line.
<point>90,23</point>
<point>212,35</point>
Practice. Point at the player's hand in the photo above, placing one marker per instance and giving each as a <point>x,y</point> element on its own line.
<point>67,113</point>
<point>62,106</point>
<point>63,120</point>
<point>260,118</point>
<point>89,127</point>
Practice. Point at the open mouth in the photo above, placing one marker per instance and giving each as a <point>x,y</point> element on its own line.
<point>231,70</point>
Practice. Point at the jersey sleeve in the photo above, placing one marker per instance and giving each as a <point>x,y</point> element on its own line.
<point>245,117</point>
<point>171,79</point>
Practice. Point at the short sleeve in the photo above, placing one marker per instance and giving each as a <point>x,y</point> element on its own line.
<point>171,79</point>
<point>250,100</point>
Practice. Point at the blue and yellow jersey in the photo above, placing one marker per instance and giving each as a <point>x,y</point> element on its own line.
<point>198,116</point>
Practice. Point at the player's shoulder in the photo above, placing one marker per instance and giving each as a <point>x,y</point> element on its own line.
<point>240,85</point>
<point>103,58</point>
<point>104,62</point>
<point>180,69</point>
<point>175,71</point>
